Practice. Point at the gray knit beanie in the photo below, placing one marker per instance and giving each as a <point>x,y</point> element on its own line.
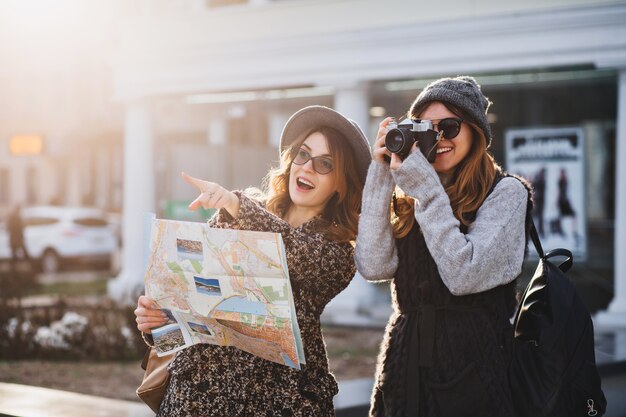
<point>463,92</point>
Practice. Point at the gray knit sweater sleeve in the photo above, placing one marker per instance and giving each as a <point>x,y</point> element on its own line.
<point>491,253</point>
<point>375,254</point>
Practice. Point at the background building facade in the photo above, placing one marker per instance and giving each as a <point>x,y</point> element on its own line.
<point>206,86</point>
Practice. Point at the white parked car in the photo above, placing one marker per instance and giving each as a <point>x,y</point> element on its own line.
<point>55,235</point>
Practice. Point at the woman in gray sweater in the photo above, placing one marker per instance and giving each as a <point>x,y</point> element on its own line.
<point>452,244</point>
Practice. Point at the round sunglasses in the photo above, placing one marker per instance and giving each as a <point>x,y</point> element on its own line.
<point>449,127</point>
<point>321,164</point>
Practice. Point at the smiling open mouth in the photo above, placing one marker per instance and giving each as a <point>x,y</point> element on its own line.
<point>303,183</point>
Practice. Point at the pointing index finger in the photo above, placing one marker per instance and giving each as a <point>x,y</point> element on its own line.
<point>196,182</point>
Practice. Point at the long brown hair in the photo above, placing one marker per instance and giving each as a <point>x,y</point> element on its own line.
<point>471,181</point>
<point>341,213</point>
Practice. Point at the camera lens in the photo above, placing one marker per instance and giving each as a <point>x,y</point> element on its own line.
<point>394,141</point>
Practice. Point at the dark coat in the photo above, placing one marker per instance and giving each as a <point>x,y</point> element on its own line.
<point>443,355</point>
<point>209,380</point>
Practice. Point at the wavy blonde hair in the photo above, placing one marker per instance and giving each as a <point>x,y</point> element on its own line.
<point>341,213</point>
<point>471,180</point>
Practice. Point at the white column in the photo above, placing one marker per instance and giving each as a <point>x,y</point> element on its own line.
<point>73,182</point>
<point>17,180</point>
<point>352,100</point>
<point>615,316</point>
<point>361,303</point>
<point>138,199</point>
<point>218,132</point>
<point>103,177</point>
<point>276,122</point>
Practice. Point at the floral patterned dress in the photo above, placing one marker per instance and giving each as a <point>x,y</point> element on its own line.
<point>207,380</point>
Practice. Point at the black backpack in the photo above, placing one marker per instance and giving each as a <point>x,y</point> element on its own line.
<point>553,369</point>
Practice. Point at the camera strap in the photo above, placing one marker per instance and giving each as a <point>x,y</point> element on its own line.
<point>395,203</point>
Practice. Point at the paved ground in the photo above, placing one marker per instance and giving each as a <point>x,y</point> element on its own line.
<point>26,401</point>
<point>352,351</point>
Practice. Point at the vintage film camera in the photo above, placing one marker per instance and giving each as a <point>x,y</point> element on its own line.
<point>401,136</point>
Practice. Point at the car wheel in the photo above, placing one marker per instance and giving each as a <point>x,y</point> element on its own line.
<point>50,262</point>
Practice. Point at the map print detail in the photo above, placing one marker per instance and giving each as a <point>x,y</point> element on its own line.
<point>223,287</point>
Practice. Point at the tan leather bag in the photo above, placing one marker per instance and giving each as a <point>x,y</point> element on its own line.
<point>152,389</point>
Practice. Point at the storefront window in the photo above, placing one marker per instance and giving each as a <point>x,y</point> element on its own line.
<point>582,100</point>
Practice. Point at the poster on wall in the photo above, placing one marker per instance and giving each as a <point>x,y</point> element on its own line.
<point>552,160</point>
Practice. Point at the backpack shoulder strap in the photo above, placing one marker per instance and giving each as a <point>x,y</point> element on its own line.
<point>531,231</point>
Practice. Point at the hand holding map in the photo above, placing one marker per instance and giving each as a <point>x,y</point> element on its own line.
<point>148,315</point>
<point>223,287</point>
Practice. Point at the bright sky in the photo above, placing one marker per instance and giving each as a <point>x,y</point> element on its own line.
<point>49,33</point>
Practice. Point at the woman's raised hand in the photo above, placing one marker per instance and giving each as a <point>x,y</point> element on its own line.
<point>148,315</point>
<point>212,195</point>
<point>380,153</point>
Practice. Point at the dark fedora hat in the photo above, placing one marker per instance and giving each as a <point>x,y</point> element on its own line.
<point>312,117</point>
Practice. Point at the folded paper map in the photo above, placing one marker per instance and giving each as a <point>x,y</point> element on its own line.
<point>223,287</point>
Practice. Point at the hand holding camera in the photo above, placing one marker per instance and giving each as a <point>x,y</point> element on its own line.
<point>401,137</point>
